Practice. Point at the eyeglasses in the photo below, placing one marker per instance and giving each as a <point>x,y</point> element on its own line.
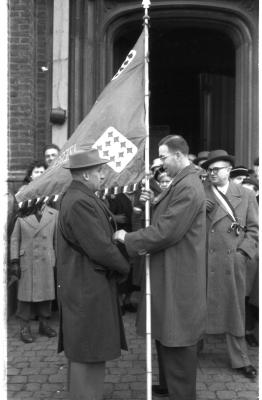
<point>162,158</point>
<point>215,170</point>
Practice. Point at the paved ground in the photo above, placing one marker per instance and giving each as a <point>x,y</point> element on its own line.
<point>36,371</point>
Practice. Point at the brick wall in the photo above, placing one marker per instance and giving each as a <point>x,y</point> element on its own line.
<point>44,56</point>
<point>30,48</point>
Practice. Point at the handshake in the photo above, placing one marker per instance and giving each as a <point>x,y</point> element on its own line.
<point>119,236</point>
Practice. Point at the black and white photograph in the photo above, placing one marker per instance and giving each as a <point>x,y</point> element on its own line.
<point>130,201</point>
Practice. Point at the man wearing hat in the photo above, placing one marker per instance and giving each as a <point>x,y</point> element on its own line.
<point>238,174</point>
<point>89,265</point>
<point>201,158</point>
<point>232,236</point>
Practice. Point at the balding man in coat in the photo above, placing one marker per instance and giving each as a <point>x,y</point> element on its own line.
<point>176,243</point>
<point>89,264</point>
<point>232,237</point>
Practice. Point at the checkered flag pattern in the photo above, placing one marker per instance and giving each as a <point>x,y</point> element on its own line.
<point>114,146</point>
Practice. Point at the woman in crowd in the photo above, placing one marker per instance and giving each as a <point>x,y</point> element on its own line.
<point>32,255</point>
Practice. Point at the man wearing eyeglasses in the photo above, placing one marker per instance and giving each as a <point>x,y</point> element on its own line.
<point>232,236</point>
<point>176,241</point>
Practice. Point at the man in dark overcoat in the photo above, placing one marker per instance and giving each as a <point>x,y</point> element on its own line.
<point>89,263</point>
<point>232,237</point>
<point>176,243</point>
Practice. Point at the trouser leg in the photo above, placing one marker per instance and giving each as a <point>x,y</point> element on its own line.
<point>237,351</point>
<point>162,379</point>
<point>43,310</point>
<point>180,365</point>
<point>86,380</point>
<point>250,315</point>
<point>23,312</point>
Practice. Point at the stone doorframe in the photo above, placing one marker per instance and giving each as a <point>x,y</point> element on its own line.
<point>236,19</point>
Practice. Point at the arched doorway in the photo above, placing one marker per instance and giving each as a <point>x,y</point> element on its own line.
<point>192,84</point>
<point>233,76</point>
<point>203,72</point>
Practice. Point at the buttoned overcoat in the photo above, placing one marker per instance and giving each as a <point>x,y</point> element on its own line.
<point>88,265</point>
<point>33,243</point>
<point>226,281</point>
<point>176,243</point>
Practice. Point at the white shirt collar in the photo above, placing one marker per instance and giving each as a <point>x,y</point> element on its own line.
<point>223,189</point>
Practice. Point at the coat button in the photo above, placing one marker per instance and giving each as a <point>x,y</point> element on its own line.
<point>212,230</point>
<point>211,251</point>
<point>59,286</point>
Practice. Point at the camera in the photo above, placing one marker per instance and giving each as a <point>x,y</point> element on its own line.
<point>158,171</point>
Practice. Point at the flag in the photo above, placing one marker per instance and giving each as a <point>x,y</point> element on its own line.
<point>115,126</point>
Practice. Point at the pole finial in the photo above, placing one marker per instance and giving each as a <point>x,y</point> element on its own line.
<point>146,3</point>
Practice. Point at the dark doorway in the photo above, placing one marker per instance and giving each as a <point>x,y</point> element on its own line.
<point>192,84</point>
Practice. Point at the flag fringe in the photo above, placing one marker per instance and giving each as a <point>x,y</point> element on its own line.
<point>29,206</point>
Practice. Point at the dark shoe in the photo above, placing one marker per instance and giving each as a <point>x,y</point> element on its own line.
<point>25,335</point>
<point>249,371</point>
<point>46,330</point>
<point>251,340</point>
<point>159,391</point>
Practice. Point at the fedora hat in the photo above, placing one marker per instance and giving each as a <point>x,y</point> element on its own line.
<point>202,155</point>
<point>84,159</point>
<point>157,162</point>
<point>240,170</point>
<point>217,155</point>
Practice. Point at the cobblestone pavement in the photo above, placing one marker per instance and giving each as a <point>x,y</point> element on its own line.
<point>36,371</point>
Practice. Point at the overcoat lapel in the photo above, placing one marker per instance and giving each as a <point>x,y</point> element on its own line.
<point>234,196</point>
<point>108,214</point>
<point>101,205</point>
<point>219,212</point>
<point>32,221</point>
<point>175,181</point>
<point>45,219</point>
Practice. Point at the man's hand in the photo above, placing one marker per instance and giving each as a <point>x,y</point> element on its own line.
<point>146,195</point>
<point>15,270</point>
<point>210,205</point>
<point>120,218</point>
<point>120,235</point>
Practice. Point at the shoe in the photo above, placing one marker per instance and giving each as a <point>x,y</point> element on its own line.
<point>159,391</point>
<point>25,335</point>
<point>251,340</point>
<point>46,330</point>
<point>249,371</point>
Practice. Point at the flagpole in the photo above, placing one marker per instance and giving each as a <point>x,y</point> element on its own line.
<point>146,5</point>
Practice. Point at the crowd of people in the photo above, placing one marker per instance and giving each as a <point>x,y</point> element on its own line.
<point>203,246</point>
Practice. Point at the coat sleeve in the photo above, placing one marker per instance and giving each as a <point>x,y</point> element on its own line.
<point>250,242</point>
<point>15,241</point>
<point>89,231</point>
<point>184,204</point>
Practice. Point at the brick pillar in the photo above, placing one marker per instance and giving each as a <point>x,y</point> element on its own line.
<point>30,49</point>
<point>21,88</point>
<point>43,60</point>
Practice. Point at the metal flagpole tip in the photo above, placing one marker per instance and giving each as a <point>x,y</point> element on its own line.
<point>146,3</point>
